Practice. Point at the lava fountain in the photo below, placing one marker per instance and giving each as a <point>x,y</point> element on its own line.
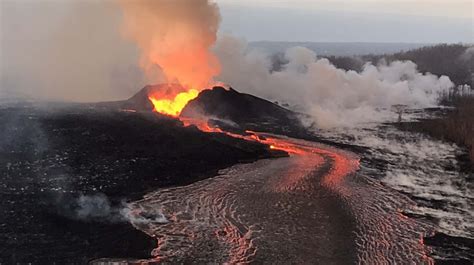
<point>174,39</point>
<point>172,106</point>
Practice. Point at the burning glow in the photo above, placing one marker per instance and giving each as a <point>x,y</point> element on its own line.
<point>174,39</point>
<point>273,143</point>
<point>173,106</point>
<point>200,124</point>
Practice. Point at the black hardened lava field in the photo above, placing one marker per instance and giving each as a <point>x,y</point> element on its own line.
<point>236,132</point>
<point>68,169</point>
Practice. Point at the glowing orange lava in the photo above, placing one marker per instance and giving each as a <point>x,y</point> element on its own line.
<point>342,165</point>
<point>200,124</point>
<point>273,143</point>
<point>173,106</point>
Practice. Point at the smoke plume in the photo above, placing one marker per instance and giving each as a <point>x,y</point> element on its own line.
<point>95,207</point>
<point>74,50</point>
<point>174,36</point>
<point>98,208</point>
<point>66,50</point>
<point>332,96</point>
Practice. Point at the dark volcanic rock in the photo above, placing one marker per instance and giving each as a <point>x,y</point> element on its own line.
<point>450,249</point>
<point>227,109</point>
<point>49,158</point>
<point>140,101</point>
<point>231,111</point>
<point>246,111</point>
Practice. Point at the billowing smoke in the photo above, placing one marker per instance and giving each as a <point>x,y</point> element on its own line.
<point>174,36</point>
<point>75,50</point>
<point>332,96</point>
<point>66,50</point>
<point>89,208</point>
<point>98,208</point>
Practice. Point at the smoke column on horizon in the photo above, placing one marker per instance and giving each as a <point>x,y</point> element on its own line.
<point>331,96</point>
<point>174,37</point>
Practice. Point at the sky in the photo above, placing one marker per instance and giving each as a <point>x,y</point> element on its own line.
<point>46,46</point>
<point>420,21</point>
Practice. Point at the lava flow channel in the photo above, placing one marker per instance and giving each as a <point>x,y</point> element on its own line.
<point>297,209</point>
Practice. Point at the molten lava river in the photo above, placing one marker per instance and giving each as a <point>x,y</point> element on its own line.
<point>310,207</point>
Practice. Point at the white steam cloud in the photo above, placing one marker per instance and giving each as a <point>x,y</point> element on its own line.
<point>98,208</point>
<point>75,51</point>
<point>334,97</point>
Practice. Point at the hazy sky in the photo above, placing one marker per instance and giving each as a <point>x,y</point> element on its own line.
<point>74,50</point>
<point>350,20</point>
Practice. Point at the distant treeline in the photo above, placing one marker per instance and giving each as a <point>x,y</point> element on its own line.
<point>453,60</point>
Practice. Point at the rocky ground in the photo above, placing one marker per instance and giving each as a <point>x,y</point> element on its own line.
<point>66,170</point>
